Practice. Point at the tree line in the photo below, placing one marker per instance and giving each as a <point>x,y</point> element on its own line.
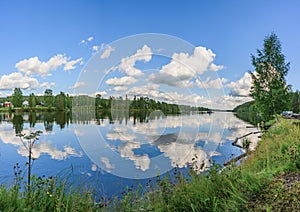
<point>60,101</point>
<point>65,102</point>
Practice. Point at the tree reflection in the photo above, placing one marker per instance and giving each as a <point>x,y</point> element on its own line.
<point>48,121</point>
<point>18,122</point>
<point>32,119</point>
<point>63,118</point>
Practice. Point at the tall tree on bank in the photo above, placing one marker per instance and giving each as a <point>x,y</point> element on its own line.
<point>17,97</point>
<point>32,100</point>
<point>48,98</point>
<point>269,89</point>
<point>60,101</point>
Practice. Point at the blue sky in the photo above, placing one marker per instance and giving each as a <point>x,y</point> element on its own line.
<point>46,44</point>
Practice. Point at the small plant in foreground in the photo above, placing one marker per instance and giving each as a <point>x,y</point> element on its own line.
<point>28,141</point>
<point>246,144</point>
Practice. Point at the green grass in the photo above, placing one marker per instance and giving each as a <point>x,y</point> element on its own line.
<point>46,194</point>
<point>229,189</point>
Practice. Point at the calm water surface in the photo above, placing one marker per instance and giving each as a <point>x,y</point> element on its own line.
<point>111,153</point>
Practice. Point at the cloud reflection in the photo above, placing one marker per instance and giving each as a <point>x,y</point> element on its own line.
<point>7,136</point>
<point>181,146</point>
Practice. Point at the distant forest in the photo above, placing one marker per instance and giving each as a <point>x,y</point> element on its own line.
<point>65,102</point>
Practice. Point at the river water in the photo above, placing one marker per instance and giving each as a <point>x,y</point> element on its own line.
<point>110,153</point>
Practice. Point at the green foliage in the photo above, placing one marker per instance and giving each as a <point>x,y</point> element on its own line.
<point>279,195</point>
<point>32,100</point>
<point>269,88</point>
<point>142,104</point>
<point>47,194</point>
<point>60,101</point>
<point>28,142</point>
<point>17,97</point>
<point>295,102</point>
<point>48,98</point>
<point>248,112</point>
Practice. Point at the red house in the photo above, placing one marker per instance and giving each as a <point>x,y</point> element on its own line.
<point>7,104</point>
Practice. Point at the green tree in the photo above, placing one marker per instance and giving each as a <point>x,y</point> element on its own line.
<point>68,102</point>
<point>60,101</point>
<point>48,98</point>
<point>32,100</point>
<point>17,97</point>
<point>295,103</point>
<point>269,89</point>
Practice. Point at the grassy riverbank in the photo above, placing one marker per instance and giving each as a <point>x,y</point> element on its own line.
<point>236,187</point>
<point>257,184</point>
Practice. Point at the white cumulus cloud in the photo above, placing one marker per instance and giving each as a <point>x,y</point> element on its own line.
<point>33,65</point>
<point>128,63</point>
<point>184,66</point>
<point>17,80</point>
<point>77,85</point>
<point>107,52</point>
<point>71,64</point>
<point>242,86</point>
<point>47,85</point>
<point>208,83</point>
<point>121,81</point>
<point>120,88</point>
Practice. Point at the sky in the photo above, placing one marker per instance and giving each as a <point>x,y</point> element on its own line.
<point>55,44</point>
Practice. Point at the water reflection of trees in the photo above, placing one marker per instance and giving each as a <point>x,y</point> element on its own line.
<point>18,122</point>
<point>48,119</point>
<point>63,119</point>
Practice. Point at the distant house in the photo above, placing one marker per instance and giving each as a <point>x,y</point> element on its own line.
<point>1,105</point>
<point>8,104</point>
<point>41,104</point>
<point>25,104</point>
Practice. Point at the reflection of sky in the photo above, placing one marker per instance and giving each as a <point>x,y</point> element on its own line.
<point>134,151</point>
<point>43,146</point>
<point>141,150</point>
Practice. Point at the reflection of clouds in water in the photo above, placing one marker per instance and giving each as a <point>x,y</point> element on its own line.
<point>94,167</point>
<point>46,148</point>
<point>8,137</point>
<point>183,154</point>
<point>207,137</point>
<point>78,132</point>
<point>127,151</point>
<point>156,127</point>
<point>107,163</point>
<point>122,136</point>
<point>238,128</point>
<point>181,146</point>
